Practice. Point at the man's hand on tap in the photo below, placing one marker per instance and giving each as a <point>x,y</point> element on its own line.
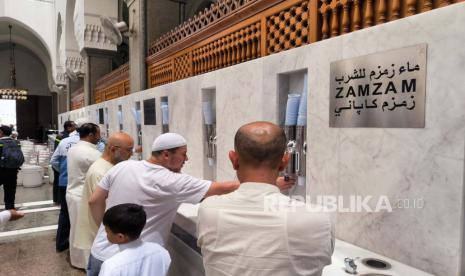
<point>285,183</point>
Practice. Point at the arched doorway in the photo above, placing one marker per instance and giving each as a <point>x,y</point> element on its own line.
<point>33,71</point>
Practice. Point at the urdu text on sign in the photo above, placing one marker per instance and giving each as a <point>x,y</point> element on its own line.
<point>385,90</point>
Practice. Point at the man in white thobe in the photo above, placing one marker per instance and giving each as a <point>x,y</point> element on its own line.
<point>80,158</point>
<point>158,185</point>
<point>240,235</point>
<point>119,148</point>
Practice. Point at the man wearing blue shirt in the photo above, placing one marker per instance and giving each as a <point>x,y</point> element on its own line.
<point>59,163</point>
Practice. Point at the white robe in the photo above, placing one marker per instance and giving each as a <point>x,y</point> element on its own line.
<point>4,217</point>
<point>80,157</point>
<point>137,258</point>
<point>256,230</point>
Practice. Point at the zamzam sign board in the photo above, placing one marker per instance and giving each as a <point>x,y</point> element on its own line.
<point>385,90</point>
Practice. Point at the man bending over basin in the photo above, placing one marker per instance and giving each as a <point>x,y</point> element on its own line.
<point>239,236</point>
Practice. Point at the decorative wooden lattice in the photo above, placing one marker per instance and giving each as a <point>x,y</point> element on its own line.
<point>77,99</point>
<point>256,28</point>
<point>161,74</point>
<point>239,46</point>
<point>239,43</point>
<point>183,66</point>
<point>112,92</point>
<point>98,97</point>
<point>112,85</point>
<point>282,26</point>
<point>288,29</point>
<point>344,16</point>
<point>217,12</point>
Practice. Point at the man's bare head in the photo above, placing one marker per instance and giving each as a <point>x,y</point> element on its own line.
<point>119,147</point>
<point>260,144</point>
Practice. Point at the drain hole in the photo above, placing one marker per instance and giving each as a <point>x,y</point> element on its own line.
<point>376,263</point>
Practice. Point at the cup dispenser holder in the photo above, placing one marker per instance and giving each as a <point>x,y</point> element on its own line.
<point>165,113</point>
<point>209,126</point>
<point>106,123</point>
<point>136,112</point>
<point>120,117</point>
<point>292,102</point>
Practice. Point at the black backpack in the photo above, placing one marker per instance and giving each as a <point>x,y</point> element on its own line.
<point>11,155</point>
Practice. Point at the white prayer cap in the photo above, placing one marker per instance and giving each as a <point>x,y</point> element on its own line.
<point>80,121</point>
<point>168,141</point>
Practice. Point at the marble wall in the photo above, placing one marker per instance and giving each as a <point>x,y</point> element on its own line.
<point>406,165</point>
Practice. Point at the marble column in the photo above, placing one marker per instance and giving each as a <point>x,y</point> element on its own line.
<point>96,49</point>
<point>97,63</point>
<point>61,102</point>
<point>68,95</point>
<point>55,109</point>
<point>137,45</point>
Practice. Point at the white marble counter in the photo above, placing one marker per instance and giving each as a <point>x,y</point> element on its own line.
<point>343,250</point>
<point>187,219</point>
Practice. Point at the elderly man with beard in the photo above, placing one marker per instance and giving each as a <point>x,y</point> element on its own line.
<point>119,148</point>
<point>158,185</point>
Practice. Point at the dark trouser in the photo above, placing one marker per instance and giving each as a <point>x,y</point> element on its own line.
<point>62,239</point>
<point>56,176</point>
<point>8,180</point>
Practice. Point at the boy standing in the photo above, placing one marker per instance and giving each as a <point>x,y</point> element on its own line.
<point>123,224</point>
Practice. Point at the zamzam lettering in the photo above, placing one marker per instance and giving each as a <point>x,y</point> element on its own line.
<point>377,88</point>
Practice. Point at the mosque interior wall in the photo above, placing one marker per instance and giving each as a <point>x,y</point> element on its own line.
<point>414,163</point>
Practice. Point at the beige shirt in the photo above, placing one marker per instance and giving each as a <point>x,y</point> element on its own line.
<point>239,235</point>
<point>85,222</point>
<point>79,159</point>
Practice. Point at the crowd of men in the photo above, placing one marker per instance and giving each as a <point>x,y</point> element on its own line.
<point>116,214</point>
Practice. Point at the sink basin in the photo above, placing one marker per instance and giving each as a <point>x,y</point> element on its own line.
<point>368,263</point>
<point>376,263</point>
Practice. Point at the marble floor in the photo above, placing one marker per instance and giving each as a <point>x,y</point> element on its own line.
<point>27,246</point>
<point>43,192</point>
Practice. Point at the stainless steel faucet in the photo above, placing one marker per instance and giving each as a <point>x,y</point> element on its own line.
<point>292,165</point>
<point>211,141</point>
<point>350,266</point>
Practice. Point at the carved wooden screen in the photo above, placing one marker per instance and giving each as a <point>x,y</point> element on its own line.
<point>288,28</point>
<point>112,85</point>
<point>278,27</point>
<point>161,73</point>
<point>235,47</point>
<point>182,66</point>
<point>344,16</point>
<point>235,31</point>
<point>77,99</point>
